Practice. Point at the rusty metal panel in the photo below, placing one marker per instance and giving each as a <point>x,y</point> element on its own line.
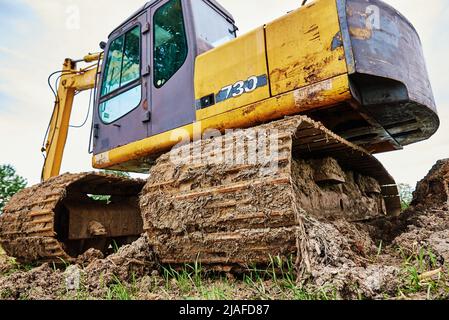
<point>386,44</point>
<point>387,69</point>
<point>305,47</point>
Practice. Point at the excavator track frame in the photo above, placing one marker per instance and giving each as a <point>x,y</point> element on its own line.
<point>29,224</point>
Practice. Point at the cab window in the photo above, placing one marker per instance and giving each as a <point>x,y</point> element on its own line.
<point>122,70</point>
<point>170,42</point>
<point>211,27</point>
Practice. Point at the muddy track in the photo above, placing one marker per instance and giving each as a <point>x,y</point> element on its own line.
<point>28,226</point>
<point>201,206</point>
<point>227,214</point>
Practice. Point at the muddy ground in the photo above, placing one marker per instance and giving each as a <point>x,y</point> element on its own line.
<point>405,257</point>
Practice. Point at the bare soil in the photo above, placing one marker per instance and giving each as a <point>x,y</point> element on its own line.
<point>403,257</point>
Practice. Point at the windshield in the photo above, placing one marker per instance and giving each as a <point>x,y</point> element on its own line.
<point>211,27</point>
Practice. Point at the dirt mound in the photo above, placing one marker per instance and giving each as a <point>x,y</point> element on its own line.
<point>130,262</point>
<point>395,257</point>
<point>92,274</point>
<point>433,191</point>
<point>349,257</point>
<point>41,283</point>
<point>426,222</point>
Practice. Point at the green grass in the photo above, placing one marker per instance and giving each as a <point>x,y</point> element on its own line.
<point>283,283</point>
<point>17,267</point>
<point>415,266</point>
<point>118,290</point>
<point>115,246</point>
<point>277,281</point>
<point>82,293</point>
<point>221,291</point>
<point>6,294</point>
<point>188,278</point>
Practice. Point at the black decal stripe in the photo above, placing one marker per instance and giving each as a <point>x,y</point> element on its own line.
<point>223,95</point>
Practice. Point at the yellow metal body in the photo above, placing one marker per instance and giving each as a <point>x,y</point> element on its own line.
<point>298,80</point>
<point>299,47</point>
<point>72,80</point>
<point>223,66</point>
<point>329,92</point>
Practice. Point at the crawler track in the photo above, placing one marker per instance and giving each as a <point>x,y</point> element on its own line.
<point>227,214</point>
<point>29,224</point>
<point>197,206</point>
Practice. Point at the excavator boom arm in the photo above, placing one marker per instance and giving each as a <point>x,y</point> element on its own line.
<point>72,80</point>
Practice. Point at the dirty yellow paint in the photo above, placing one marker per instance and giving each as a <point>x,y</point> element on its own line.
<point>72,80</point>
<point>326,93</point>
<point>301,53</point>
<point>300,47</point>
<point>82,81</point>
<point>224,66</point>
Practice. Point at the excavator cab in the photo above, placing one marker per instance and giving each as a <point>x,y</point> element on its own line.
<point>146,85</point>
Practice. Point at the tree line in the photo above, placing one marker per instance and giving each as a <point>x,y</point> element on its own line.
<point>10,184</point>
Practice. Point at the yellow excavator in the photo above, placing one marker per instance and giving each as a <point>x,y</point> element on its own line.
<point>241,136</point>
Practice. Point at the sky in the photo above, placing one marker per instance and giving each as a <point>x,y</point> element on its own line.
<point>36,36</point>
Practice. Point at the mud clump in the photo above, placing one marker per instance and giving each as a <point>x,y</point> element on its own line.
<point>41,283</point>
<point>89,256</point>
<point>341,257</point>
<point>131,261</point>
<point>5,263</point>
<point>348,257</point>
<point>92,274</point>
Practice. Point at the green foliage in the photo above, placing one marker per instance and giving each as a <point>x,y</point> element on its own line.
<point>107,198</point>
<point>10,184</point>
<point>406,194</point>
<point>100,198</point>
<point>122,174</point>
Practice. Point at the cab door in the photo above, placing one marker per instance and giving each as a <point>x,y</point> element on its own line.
<point>172,62</point>
<point>122,106</point>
